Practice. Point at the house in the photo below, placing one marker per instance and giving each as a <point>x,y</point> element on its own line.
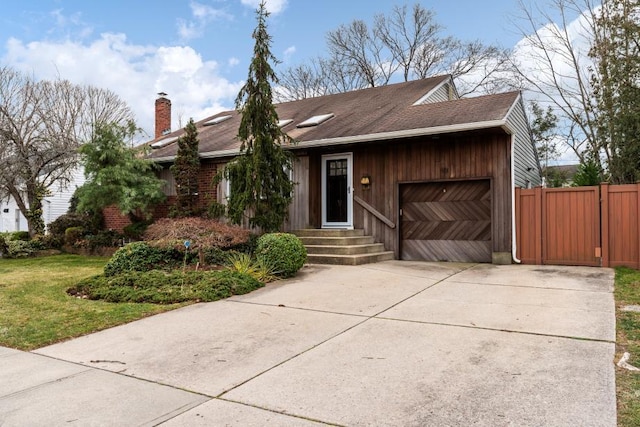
<point>54,205</point>
<point>426,175</point>
<point>559,175</point>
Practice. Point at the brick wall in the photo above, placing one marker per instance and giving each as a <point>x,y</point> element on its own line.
<point>207,192</point>
<point>114,220</point>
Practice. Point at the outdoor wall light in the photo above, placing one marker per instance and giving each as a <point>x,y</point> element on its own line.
<point>365,181</point>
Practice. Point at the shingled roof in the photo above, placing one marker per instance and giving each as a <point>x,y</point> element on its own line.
<point>379,113</point>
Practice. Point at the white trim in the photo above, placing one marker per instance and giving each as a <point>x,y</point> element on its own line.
<point>349,223</point>
<point>513,106</point>
<point>431,92</point>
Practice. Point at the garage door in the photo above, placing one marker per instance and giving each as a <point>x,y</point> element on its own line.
<point>446,221</point>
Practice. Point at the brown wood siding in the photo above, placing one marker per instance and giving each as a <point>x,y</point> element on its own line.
<point>448,157</point>
<point>299,208</point>
<point>315,190</point>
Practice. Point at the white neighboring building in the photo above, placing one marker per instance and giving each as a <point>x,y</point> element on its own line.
<point>54,206</point>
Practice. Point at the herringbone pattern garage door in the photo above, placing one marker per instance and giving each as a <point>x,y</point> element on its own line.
<point>446,221</point>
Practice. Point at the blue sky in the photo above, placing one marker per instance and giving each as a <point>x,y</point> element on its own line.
<point>198,51</point>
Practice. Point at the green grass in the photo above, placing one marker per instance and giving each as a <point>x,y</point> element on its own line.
<point>35,309</point>
<point>627,292</point>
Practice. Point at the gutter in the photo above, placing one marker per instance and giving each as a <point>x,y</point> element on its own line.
<point>514,246</point>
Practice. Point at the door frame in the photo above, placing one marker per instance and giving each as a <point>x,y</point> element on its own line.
<point>349,223</point>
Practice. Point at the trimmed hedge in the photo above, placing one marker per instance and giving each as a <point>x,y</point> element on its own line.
<point>283,252</point>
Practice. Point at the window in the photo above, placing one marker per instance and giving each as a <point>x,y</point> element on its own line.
<point>216,120</point>
<point>315,120</point>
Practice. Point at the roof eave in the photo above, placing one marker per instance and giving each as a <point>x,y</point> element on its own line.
<point>407,133</point>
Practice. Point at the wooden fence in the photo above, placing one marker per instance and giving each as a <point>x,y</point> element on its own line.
<point>594,226</point>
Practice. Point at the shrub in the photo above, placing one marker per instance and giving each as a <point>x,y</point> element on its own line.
<point>19,235</point>
<point>12,245</point>
<point>139,256</point>
<point>136,230</point>
<point>239,283</point>
<point>19,249</point>
<point>73,234</point>
<point>160,287</point>
<point>4,248</point>
<point>216,210</point>
<point>202,233</point>
<point>104,239</point>
<point>283,252</point>
<point>216,256</point>
<point>244,263</point>
<point>90,223</point>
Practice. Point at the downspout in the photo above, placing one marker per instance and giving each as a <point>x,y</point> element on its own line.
<point>513,201</point>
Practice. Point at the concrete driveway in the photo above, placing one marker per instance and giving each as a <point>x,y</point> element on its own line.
<point>388,344</point>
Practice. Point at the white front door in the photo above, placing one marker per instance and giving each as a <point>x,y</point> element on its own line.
<point>337,191</point>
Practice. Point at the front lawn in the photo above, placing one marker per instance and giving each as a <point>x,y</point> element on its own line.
<point>35,309</point>
<point>627,292</point>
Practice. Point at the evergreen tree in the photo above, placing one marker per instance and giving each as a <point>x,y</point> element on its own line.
<point>616,82</point>
<point>185,171</point>
<point>116,174</point>
<point>588,173</point>
<point>260,184</point>
<point>543,127</point>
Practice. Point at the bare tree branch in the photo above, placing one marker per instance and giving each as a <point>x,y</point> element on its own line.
<point>42,125</point>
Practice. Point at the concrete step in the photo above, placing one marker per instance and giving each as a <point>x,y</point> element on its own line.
<point>328,232</point>
<point>337,241</point>
<point>349,259</point>
<point>345,249</point>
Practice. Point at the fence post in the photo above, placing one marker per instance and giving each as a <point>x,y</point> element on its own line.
<point>604,223</point>
<point>538,227</point>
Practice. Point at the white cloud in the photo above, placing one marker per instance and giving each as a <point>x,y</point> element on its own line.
<point>202,15</point>
<point>136,73</point>
<point>273,6</point>
<point>69,25</point>
<point>288,52</point>
<point>556,56</point>
<point>233,62</point>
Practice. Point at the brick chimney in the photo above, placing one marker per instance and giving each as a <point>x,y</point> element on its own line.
<point>163,115</point>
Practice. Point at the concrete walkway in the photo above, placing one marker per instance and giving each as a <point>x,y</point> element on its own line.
<point>388,344</point>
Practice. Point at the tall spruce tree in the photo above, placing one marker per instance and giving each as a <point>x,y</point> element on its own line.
<point>260,183</point>
<point>185,172</point>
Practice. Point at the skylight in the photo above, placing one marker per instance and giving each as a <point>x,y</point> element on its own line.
<point>283,123</point>
<point>315,120</point>
<point>164,142</point>
<point>216,120</point>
